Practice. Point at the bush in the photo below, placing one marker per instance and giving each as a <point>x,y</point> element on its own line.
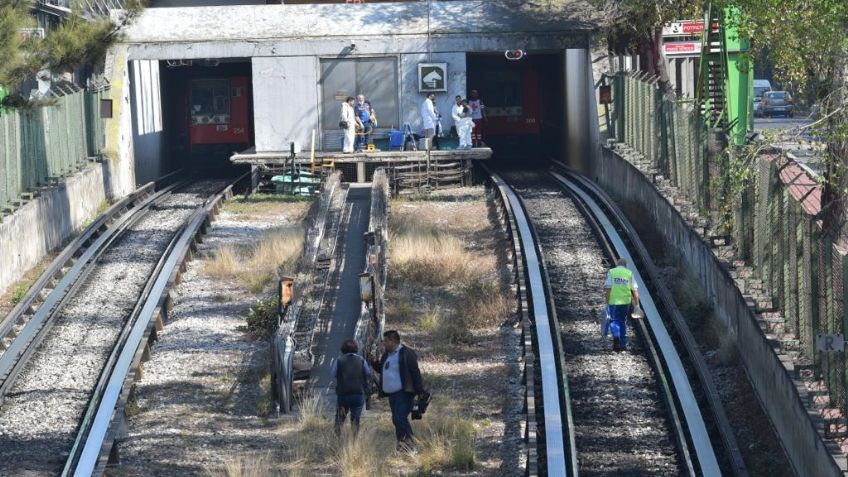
<point>262,317</point>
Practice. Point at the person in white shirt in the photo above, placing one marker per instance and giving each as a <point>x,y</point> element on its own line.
<point>429,117</point>
<point>478,115</point>
<point>461,115</point>
<point>348,124</point>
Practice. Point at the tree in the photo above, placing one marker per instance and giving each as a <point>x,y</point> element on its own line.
<point>807,42</point>
<point>77,42</point>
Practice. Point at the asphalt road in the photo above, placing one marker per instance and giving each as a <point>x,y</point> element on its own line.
<point>761,124</point>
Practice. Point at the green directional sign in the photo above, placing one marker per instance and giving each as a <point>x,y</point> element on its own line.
<point>432,77</point>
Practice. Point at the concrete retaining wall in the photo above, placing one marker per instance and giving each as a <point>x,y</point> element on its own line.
<point>49,221</point>
<point>773,385</point>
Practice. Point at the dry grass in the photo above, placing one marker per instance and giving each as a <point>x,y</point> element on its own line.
<point>486,302</point>
<point>249,466</point>
<point>430,259</point>
<point>446,440</point>
<point>274,255</point>
<point>224,264</point>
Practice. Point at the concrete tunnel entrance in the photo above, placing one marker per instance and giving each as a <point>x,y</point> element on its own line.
<point>190,114</point>
<point>523,102</point>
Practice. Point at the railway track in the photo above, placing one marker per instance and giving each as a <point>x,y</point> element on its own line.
<point>632,413</point>
<point>72,345</point>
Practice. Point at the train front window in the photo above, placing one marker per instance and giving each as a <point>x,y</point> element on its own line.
<point>501,91</point>
<point>210,101</point>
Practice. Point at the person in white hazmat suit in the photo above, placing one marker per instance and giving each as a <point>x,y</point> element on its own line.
<point>348,123</point>
<point>461,115</point>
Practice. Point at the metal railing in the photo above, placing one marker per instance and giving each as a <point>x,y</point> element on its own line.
<point>40,146</point>
<point>283,343</point>
<point>372,318</point>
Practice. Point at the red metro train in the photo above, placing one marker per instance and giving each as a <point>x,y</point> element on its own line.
<point>524,104</point>
<point>218,114</point>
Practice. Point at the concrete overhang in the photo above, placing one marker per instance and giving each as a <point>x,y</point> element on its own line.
<point>380,28</point>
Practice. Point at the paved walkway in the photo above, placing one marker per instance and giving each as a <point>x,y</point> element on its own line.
<point>338,319</point>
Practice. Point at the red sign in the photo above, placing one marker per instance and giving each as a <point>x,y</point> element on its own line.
<point>682,48</point>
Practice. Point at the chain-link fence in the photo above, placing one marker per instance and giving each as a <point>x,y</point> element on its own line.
<point>798,282</point>
<point>44,144</point>
<point>665,131</point>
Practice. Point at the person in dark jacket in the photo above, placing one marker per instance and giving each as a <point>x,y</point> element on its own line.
<point>352,373</point>
<point>400,380</point>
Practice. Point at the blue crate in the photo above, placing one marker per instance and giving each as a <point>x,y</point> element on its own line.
<point>396,139</point>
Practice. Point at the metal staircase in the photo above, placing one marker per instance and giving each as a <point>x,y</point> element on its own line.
<point>712,96</point>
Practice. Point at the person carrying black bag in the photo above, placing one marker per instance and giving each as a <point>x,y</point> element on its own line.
<point>400,381</point>
<point>352,374</point>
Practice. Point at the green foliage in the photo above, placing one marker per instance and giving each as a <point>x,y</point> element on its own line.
<point>14,63</point>
<point>19,293</point>
<point>262,318</point>
<point>806,41</point>
<point>76,42</point>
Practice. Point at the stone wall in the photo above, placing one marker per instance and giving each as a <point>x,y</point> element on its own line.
<point>47,222</point>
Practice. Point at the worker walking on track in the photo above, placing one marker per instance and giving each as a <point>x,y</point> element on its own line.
<point>622,296</point>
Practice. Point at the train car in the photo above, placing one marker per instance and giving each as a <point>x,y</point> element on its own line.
<point>218,114</point>
<point>523,102</point>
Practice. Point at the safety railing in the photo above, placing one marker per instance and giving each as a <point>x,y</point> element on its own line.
<point>283,343</point>
<point>42,145</point>
<point>372,319</point>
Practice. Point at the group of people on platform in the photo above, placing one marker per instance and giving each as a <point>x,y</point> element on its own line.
<point>358,121</point>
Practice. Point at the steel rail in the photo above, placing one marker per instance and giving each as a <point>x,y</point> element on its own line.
<point>14,358</point>
<point>59,267</point>
<point>665,390</point>
<point>100,416</point>
<point>695,424</point>
<point>560,449</point>
<point>680,327</point>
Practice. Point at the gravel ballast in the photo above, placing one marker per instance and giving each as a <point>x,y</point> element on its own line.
<point>198,403</point>
<point>620,422</point>
<point>40,415</point>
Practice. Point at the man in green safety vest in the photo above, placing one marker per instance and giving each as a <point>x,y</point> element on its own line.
<point>622,295</point>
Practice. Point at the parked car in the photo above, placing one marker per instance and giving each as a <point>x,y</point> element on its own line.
<point>761,87</point>
<point>778,103</point>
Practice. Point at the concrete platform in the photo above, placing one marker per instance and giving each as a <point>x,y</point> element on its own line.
<point>252,157</point>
